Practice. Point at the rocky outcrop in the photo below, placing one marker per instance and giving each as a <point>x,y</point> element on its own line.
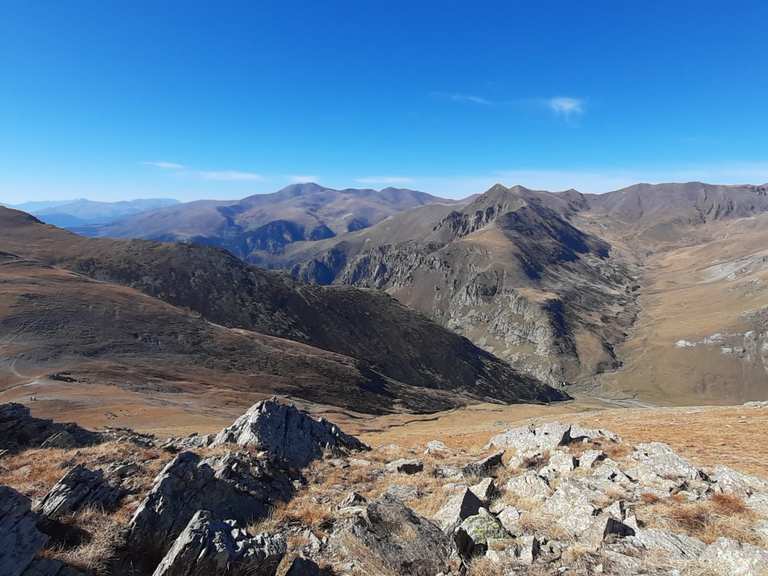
<point>289,435</point>
<point>234,486</point>
<point>20,540</point>
<point>79,488</point>
<point>19,430</point>
<point>207,546</point>
<point>388,537</point>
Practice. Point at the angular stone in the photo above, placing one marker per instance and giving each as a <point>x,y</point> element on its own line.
<point>436,448</point>
<point>406,466</point>
<point>591,457</point>
<point>403,492</point>
<point>390,535</point>
<point>737,483</point>
<point>530,486</point>
<point>734,558</point>
<point>286,433</point>
<point>207,546</point>
<point>678,546</point>
<point>529,549</point>
<point>510,519</point>
<point>79,488</point>
<point>472,535</point>
<point>570,508</point>
<point>662,461</point>
<point>233,486</point>
<point>20,540</point>
<point>485,466</point>
<point>560,464</point>
<point>485,490</point>
<point>352,499</point>
<point>458,507</point>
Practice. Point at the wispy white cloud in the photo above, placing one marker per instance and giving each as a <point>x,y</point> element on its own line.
<point>303,178</point>
<point>228,175</point>
<point>165,165</point>
<point>384,180</point>
<point>466,98</point>
<point>566,106</point>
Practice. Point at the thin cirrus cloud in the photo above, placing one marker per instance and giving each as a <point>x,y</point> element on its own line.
<point>465,98</point>
<point>164,165</point>
<point>566,106</point>
<point>214,175</point>
<point>384,180</point>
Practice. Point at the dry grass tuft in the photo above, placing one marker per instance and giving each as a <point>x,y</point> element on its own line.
<point>721,516</point>
<point>95,554</point>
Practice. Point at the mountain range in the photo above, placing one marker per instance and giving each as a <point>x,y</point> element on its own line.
<point>81,213</point>
<point>395,299</point>
<point>559,284</point>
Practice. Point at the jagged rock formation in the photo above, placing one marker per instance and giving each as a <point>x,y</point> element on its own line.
<point>289,435</point>
<point>230,487</point>
<point>562,499</point>
<point>79,488</point>
<point>207,546</point>
<point>388,536</point>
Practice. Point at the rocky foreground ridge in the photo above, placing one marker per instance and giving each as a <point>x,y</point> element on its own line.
<point>280,492</point>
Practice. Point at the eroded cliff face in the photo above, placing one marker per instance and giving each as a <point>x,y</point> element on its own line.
<point>513,276</point>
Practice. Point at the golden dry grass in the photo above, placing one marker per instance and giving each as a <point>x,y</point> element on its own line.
<point>720,516</point>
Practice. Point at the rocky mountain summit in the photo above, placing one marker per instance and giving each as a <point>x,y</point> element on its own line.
<point>280,492</point>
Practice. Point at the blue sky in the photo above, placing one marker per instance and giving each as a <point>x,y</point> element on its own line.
<point>114,100</point>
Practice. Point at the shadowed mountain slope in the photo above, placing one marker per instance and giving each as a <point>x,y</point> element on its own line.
<point>392,346</point>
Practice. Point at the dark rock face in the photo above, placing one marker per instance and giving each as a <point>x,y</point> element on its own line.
<point>289,435</point>
<point>80,487</point>
<point>231,487</point>
<point>20,540</point>
<point>395,538</point>
<point>19,430</point>
<point>208,546</point>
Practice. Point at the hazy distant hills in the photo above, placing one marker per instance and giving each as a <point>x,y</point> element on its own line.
<point>81,213</point>
<point>197,314</point>
<point>260,226</point>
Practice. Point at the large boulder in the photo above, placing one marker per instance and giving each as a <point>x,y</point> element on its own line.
<point>389,538</point>
<point>287,433</point>
<point>531,440</point>
<point>233,486</point>
<point>459,506</point>
<point>80,487</point>
<point>20,540</point>
<point>20,430</point>
<point>208,546</point>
